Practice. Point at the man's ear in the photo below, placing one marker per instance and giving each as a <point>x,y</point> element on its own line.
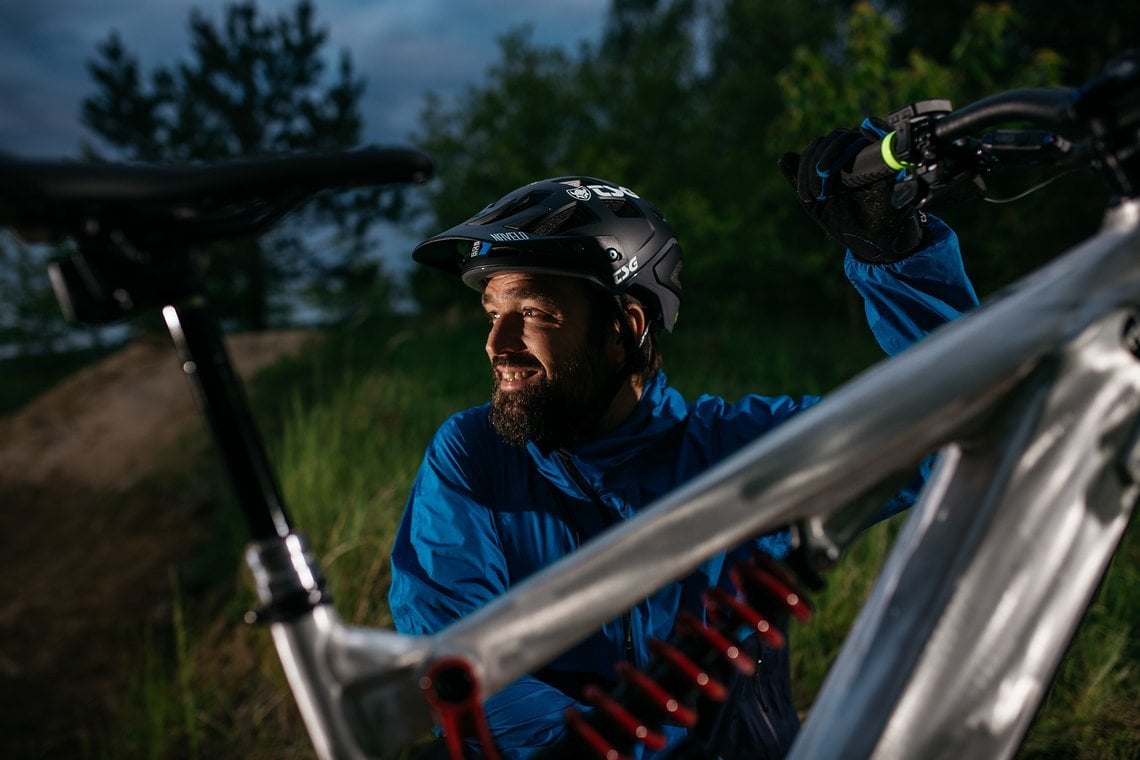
<point>637,320</point>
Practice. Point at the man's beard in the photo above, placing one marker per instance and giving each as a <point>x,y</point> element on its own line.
<point>554,413</point>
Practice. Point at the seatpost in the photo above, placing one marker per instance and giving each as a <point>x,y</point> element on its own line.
<point>108,279</point>
<point>198,338</point>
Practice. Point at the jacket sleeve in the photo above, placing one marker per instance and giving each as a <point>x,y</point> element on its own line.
<point>905,301</point>
<point>446,563</point>
<point>908,299</point>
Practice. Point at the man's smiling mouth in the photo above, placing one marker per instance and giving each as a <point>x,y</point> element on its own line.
<point>515,375</point>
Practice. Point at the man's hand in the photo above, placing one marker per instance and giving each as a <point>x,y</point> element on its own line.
<point>860,218</point>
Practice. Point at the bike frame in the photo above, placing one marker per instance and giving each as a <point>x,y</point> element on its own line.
<point>1032,399</point>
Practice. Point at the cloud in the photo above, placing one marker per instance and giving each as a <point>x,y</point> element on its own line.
<point>403,48</point>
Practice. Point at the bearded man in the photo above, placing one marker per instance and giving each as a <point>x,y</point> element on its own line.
<point>583,431</point>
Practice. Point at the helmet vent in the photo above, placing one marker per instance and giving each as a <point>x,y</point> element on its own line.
<point>623,208</point>
<point>510,209</point>
<point>567,219</point>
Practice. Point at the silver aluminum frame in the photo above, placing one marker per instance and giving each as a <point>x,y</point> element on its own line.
<point>1032,400</point>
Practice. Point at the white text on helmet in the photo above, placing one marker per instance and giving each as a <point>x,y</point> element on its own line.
<point>602,191</point>
<point>623,273</point>
<point>507,236</point>
<point>605,191</point>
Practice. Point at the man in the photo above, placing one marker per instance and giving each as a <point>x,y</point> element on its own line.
<point>576,276</point>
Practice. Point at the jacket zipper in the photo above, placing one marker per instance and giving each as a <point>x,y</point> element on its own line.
<point>605,513</point>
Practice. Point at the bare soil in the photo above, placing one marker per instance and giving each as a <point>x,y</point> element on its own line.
<point>87,558</point>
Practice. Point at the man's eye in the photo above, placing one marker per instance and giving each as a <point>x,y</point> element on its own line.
<point>528,312</point>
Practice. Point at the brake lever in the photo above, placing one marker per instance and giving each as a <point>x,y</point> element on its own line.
<point>958,173</point>
<point>1025,147</point>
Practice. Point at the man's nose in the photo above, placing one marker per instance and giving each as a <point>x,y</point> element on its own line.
<point>505,336</point>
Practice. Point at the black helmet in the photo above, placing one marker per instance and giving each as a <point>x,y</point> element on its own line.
<point>574,226</point>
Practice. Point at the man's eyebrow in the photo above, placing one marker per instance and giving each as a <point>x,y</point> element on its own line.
<point>524,292</point>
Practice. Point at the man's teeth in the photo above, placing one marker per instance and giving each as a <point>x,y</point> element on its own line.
<point>512,376</point>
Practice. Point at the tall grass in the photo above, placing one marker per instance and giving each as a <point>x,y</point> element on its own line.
<point>346,426</point>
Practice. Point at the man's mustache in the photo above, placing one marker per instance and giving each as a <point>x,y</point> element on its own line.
<point>520,362</point>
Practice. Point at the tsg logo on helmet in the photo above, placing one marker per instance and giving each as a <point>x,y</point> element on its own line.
<point>602,191</point>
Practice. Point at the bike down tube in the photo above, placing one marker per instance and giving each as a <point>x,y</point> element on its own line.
<point>971,657</point>
<point>891,415</point>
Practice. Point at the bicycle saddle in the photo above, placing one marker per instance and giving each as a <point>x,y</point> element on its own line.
<point>203,201</point>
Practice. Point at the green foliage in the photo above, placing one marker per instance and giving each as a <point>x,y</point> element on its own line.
<point>253,85</point>
<point>860,76</point>
<point>1085,34</point>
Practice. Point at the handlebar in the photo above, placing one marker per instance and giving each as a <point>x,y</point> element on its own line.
<point>1043,106</point>
<point>937,150</point>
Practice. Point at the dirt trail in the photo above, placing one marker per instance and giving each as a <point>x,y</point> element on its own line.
<point>86,569</point>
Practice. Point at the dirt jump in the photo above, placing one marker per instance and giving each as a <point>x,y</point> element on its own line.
<point>88,568</point>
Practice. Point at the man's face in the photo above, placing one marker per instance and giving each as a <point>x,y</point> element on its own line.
<point>548,367</point>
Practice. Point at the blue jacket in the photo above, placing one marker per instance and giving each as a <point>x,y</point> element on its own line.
<point>482,516</point>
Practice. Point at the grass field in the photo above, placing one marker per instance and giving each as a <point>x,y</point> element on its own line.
<point>346,425</point>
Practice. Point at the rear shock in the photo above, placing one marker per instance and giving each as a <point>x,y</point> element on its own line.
<point>687,675</point>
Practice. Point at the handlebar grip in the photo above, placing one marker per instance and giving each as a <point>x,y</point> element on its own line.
<point>868,165</point>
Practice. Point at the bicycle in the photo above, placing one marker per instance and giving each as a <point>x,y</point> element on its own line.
<point>1038,434</point>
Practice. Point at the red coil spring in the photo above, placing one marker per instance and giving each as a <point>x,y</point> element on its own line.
<point>691,669</point>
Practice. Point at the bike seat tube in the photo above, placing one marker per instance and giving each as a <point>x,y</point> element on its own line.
<point>206,364</point>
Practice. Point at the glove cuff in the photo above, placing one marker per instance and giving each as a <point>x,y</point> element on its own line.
<point>911,236</point>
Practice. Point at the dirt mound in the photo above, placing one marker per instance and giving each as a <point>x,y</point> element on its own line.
<point>91,568</point>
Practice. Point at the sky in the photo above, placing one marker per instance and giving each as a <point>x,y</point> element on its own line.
<point>403,49</point>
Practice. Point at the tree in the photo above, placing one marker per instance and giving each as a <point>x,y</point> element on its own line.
<point>30,322</point>
<point>252,86</point>
<point>1082,35</point>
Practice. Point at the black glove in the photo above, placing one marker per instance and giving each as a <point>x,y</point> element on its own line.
<point>860,218</point>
